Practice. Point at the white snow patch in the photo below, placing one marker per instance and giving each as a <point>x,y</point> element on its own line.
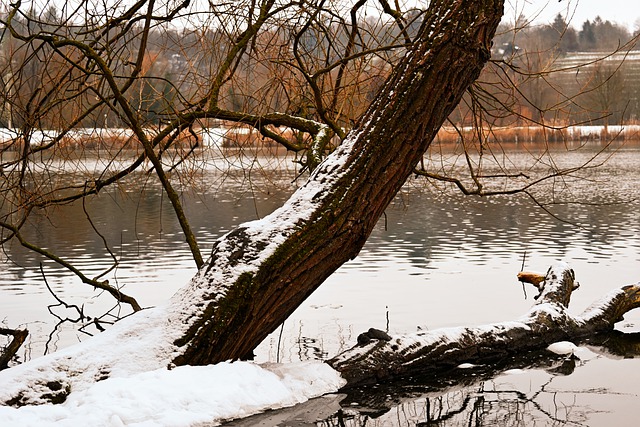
<point>551,309</point>
<point>183,396</point>
<point>596,309</point>
<point>135,344</point>
<point>562,347</point>
<point>466,365</point>
<point>567,348</point>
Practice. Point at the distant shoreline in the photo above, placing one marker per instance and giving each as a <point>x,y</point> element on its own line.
<point>238,137</point>
<point>539,134</point>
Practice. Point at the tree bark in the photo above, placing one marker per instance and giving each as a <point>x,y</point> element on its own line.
<point>19,336</point>
<point>439,350</point>
<point>261,272</point>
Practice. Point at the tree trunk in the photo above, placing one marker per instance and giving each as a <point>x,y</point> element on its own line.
<point>261,272</point>
<point>258,274</point>
<point>439,350</point>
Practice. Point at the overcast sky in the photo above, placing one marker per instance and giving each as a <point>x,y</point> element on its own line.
<point>625,12</point>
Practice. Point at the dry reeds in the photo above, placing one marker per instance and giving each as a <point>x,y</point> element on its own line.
<point>540,134</point>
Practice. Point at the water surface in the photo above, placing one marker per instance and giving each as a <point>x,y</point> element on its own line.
<point>436,259</point>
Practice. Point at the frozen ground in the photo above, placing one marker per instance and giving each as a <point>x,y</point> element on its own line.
<point>183,396</point>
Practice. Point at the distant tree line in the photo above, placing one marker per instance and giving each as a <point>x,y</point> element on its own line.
<point>551,80</point>
<point>565,76</point>
<point>271,76</point>
<point>595,35</point>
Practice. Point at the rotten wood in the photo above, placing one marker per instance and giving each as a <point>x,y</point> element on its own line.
<point>435,351</point>
<point>531,277</point>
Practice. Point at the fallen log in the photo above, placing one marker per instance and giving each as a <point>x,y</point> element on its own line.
<point>547,322</point>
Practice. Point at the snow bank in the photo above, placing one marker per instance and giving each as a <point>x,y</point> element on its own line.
<point>136,344</point>
<point>141,391</point>
<point>183,396</point>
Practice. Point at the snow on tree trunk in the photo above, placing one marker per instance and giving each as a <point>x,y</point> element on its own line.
<point>261,272</point>
<point>547,322</point>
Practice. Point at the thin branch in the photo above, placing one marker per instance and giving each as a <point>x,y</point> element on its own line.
<point>103,285</point>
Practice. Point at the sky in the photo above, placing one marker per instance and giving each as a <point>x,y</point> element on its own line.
<point>625,12</point>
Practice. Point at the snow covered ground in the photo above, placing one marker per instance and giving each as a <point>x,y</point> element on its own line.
<point>182,396</point>
<point>140,391</point>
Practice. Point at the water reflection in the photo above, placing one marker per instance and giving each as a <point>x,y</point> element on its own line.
<point>139,228</point>
<point>537,388</point>
<point>484,228</point>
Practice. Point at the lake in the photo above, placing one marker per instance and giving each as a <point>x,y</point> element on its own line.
<point>436,259</point>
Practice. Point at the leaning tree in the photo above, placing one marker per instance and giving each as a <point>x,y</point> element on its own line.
<point>419,66</point>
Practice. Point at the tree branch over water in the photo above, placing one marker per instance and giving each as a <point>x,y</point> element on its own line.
<point>99,284</point>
